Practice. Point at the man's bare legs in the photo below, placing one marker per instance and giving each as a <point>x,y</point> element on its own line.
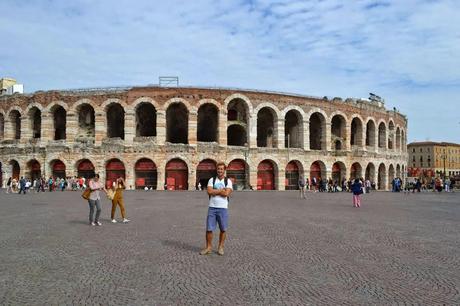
<point>220,249</point>
<point>208,249</point>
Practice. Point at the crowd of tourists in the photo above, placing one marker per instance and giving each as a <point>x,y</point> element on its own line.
<point>435,184</point>
<point>42,184</point>
<point>330,185</point>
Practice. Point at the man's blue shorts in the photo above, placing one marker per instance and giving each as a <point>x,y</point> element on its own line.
<point>217,216</point>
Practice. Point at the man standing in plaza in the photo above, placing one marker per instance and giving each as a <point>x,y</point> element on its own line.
<point>302,187</point>
<point>219,189</point>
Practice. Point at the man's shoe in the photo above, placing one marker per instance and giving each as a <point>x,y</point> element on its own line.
<point>205,252</point>
<point>125,220</point>
<point>220,251</point>
<point>98,223</point>
<point>114,221</point>
<point>92,224</point>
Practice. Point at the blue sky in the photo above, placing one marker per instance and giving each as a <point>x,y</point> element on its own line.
<point>406,51</point>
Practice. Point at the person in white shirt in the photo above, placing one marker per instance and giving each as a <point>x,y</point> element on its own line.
<point>219,189</point>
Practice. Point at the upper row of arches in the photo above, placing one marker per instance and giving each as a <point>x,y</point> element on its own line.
<point>292,127</point>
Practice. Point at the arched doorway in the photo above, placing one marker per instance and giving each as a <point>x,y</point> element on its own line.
<point>266,128</point>
<point>115,121</point>
<point>292,176</point>
<point>317,132</point>
<point>58,169</point>
<point>236,171</point>
<point>86,121</point>
<point>146,174</point>
<point>59,121</point>
<point>237,122</point>
<point>15,119</point>
<point>338,172</point>
<point>85,168</point>
<point>33,166</point>
<point>338,131</point>
<point>356,135</point>
<point>317,170</point>
<point>381,177</point>
<point>176,175</point>
<point>35,122</point>
<point>293,129</point>
<point>391,175</point>
<point>15,169</point>
<point>370,134</point>
<point>113,170</point>
<point>205,170</point>
<point>146,120</point>
<point>356,171</point>
<point>398,171</point>
<point>370,172</point>
<point>266,175</point>
<point>177,123</point>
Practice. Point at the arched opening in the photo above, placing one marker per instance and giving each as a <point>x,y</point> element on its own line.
<point>115,121</point>
<point>398,139</point>
<point>356,171</point>
<point>85,168</point>
<point>317,129</point>
<point>177,123</point>
<point>391,133</point>
<point>204,171</point>
<point>293,129</point>
<point>59,121</point>
<point>391,175</point>
<point>35,119</point>
<point>15,119</point>
<point>114,169</point>
<point>237,122</point>
<point>15,169</point>
<point>86,121</point>
<point>382,135</point>
<point>266,128</point>
<point>292,175</point>
<point>370,134</point>
<point>338,131</point>
<point>146,120</point>
<point>356,132</point>
<point>338,173</point>
<point>370,173</point>
<point>176,175</point>
<point>58,169</point>
<point>382,177</point>
<point>236,135</point>
<point>338,145</point>
<point>236,171</point>
<point>34,169</point>
<point>317,171</point>
<point>2,127</point>
<point>398,171</point>
<point>146,174</point>
<point>208,123</point>
<point>266,175</point>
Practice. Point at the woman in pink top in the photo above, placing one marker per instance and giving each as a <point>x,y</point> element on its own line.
<point>95,200</point>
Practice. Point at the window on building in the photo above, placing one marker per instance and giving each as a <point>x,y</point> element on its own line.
<point>421,150</point>
<point>413,150</point>
<point>413,158</point>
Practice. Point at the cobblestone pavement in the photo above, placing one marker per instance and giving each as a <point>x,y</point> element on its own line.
<point>281,250</point>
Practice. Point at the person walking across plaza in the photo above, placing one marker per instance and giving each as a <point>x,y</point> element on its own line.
<point>219,189</point>
<point>8,185</point>
<point>117,200</point>
<point>357,190</point>
<point>302,187</point>
<point>22,185</point>
<point>94,200</point>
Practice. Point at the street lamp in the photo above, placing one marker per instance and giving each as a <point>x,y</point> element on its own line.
<point>246,155</point>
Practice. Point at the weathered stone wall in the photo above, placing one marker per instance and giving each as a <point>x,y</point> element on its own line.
<point>99,149</point>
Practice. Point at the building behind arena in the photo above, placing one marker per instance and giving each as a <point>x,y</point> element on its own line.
<point>157,137</point>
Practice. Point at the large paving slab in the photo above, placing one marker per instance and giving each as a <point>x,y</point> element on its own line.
<point>281,250</point>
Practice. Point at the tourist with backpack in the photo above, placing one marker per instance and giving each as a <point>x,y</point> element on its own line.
<point>219,189</point>
<point>357,190</point>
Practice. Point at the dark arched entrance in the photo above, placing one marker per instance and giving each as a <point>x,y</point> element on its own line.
<point>34,169</point>
<point>266,176</point>
<point>113,170</point>
<point>85,169</point>
<point>356,171</point>
<point>292,176</point>
<point>176,175</point>
<point>15,169</point>
<point>205,170</point>
<point>146,174</point>
<point>338,173</point>
<point>58,169</point>
<point>236,171</point>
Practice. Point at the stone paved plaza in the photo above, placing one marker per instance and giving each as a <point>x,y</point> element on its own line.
<point>396,249</point>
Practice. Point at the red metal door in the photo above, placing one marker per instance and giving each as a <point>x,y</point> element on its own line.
<point>114,169</point>
<point>177,175</point>
<point>265,176</point>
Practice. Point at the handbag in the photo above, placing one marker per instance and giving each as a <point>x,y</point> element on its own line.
<point>86,193</point>
<point>110,194</point>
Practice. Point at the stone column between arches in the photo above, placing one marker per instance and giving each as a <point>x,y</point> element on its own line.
<point>280,134</point>
<point>280,181</point>
<point>347,142</point>
<point>130,127</point>
<point>327,143</point>
<point>306,133</point>
<point>222,126</point>
<point>192,128</point>
<point>161,127</point>
<point>100,127</point>
<point>47,132</point>
<point>71,127</point>
<point>26,131</point>
<point>252,131</point>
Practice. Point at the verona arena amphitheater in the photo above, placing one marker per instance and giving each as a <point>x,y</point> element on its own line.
<point>171,137</point>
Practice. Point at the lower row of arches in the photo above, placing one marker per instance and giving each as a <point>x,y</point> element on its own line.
<point>177,173</point>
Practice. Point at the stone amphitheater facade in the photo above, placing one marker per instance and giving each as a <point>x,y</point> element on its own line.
<point>171,137</point>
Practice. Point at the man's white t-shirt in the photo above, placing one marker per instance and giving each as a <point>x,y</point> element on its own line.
<point>219,201</point>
